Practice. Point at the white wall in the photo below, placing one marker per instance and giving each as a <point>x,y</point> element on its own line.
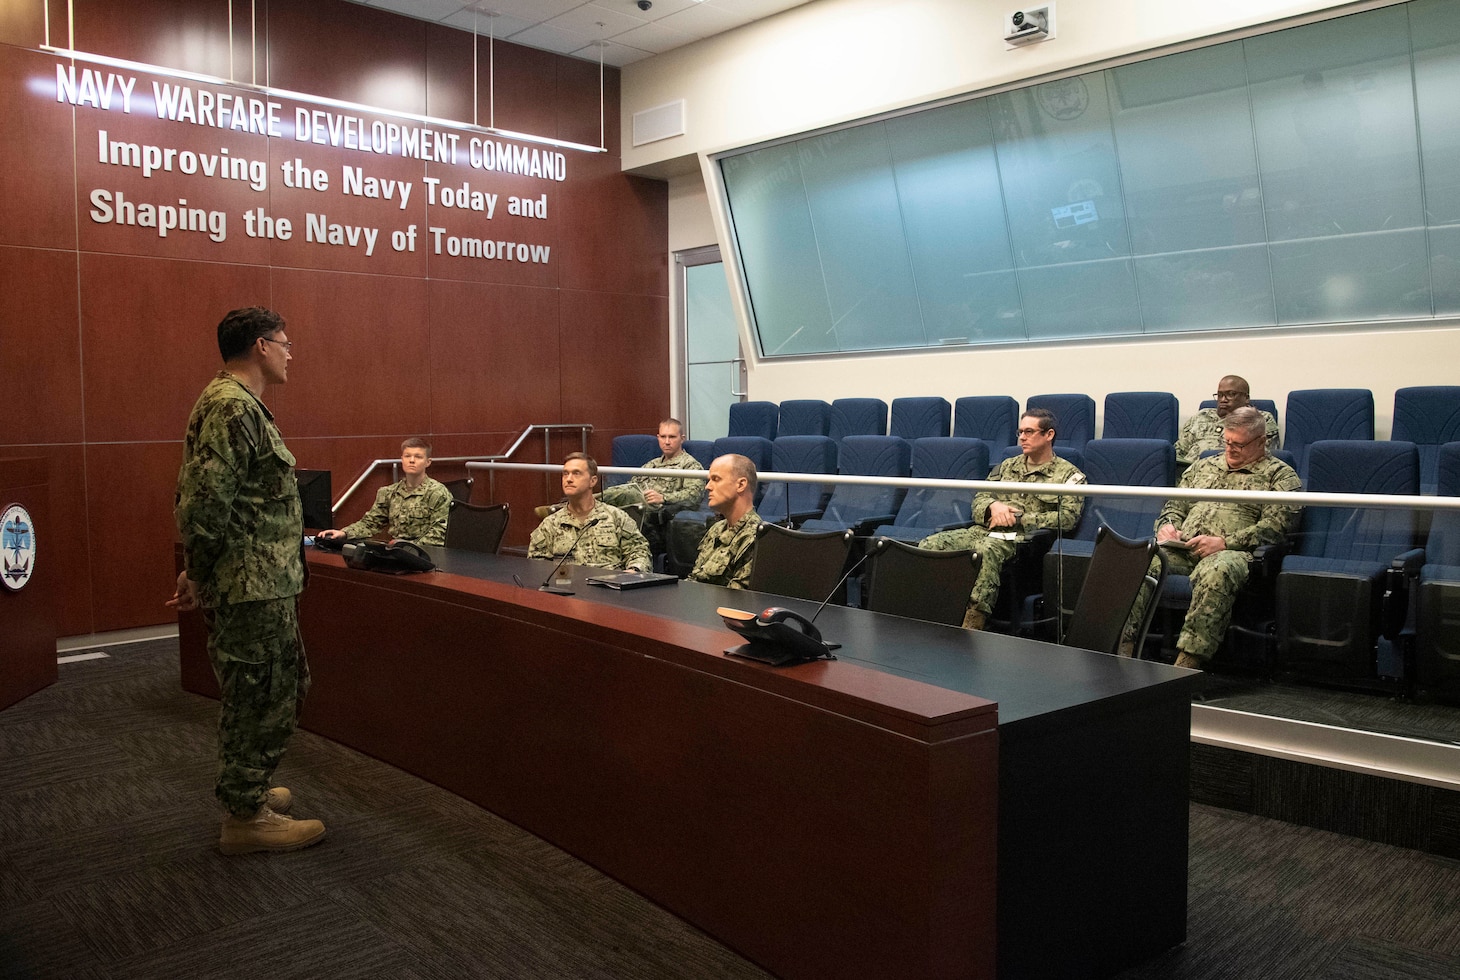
<point>834,60</point>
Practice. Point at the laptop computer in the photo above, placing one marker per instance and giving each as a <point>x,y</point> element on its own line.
<point>631,580</point>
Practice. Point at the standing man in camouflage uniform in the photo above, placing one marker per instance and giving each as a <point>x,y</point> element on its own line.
<point>588,531</point>
<point>1003,520</point>
<point>1213,541</point>
<point>728,547</point>
<point>414,508</point>
<point>1203,431</point>
<point>242,529</point>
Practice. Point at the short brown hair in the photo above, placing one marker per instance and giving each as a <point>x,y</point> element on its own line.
<point>592,463</point>
<point>416,442</point>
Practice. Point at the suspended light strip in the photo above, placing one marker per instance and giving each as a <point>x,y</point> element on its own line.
<point>101,59</point>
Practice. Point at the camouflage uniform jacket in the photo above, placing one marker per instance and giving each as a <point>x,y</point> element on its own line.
<point>677,491</point>
<point>417,515</point>
<point>1245,526</point>
<point>1041,510</point>
<point>1203,431</point>
<point>726,552</point>
<point>237,503</point>
<point>606,538</point>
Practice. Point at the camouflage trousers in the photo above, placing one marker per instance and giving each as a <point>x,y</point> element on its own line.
<point>263,676</point>
<point>1215,582</point>
<point>994,551</point>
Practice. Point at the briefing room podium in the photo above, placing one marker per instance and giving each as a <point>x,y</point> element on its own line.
<point>28,615</point>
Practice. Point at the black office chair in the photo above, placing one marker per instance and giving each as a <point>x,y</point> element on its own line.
<point>1118,569</point>
<point>460,489</point>
<point>905,580</point>
<point>477,527</point>
<point>802,564</point>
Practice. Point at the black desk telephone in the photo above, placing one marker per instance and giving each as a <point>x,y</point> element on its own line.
<point>777,636</point>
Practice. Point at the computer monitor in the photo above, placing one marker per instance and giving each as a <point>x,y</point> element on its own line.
<point>314,494</point>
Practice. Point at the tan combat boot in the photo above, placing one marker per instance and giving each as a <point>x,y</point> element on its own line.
<point>279,799</point>
<point>1184,659</point>
<point>267,831</point>
<point>974,619</point>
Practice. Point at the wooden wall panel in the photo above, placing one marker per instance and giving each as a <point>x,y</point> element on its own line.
<point>37,173</point>
<point>66,538</point>
<point>118,324</point>
<point>607,215</point>
<point>348,51</point>
<point>361,357</point>
<point>129,497</point>
<point>41,364</point>
<point>191,35</point>
<point>150,339</point>
<point>494,356</point>
<point>615,359</point>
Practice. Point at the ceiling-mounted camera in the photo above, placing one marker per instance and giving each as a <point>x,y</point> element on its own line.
<point>645,4</point>
<point>1029,25</point>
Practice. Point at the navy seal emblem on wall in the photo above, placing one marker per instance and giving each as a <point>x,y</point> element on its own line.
<point>17,547</point>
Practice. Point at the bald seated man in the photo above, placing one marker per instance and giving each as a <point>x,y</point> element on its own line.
<point>728,547</point>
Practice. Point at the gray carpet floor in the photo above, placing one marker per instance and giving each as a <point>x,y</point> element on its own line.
<point>109,870</point>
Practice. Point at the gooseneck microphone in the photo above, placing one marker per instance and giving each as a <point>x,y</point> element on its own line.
<point>547,585</point>
<point>840,582</point>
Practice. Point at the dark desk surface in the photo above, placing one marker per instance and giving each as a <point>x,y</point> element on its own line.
<point>1034,682</point>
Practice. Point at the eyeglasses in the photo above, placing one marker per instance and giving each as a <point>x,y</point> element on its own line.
<point>1242,445</point>
<point>286,344</point>
<point>1229,396</point>
<point>1031,432</point>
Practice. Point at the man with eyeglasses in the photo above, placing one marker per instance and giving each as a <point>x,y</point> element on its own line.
<point>1002,521</point>
<point>1203,431</point>
<point>242,527</point>
<point>1213,541</point>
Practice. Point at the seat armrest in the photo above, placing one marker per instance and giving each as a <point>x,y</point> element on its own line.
<point>869,524</point>
<point>957,525</point>
<point>1408,562</point>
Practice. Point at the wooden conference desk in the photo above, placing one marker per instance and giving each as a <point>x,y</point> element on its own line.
<point>935,803</point>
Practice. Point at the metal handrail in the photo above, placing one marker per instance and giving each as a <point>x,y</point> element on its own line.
<point>1293,498</point>
<point>546,428</point>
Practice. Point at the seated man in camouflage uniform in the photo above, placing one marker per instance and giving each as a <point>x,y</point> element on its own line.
<point>655,499</point>
<point>728,547</point>
<point>588,531</point>
<point>1003,520</point>
<point>1203,431</point>
<point>1219,536</point>
<point>415,509</point>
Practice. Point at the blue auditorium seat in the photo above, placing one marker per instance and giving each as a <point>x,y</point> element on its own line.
<point>796,502</point>
<point>919,418</point>
<point>927,511</point>
<point>1074,415</point>
<point>1429,417</point>
<point>860,508</point>
<point>631,450</point>
<point>992,418</point>
<point>1141,415</point>
<point>1330,589</point>
<point>804,417</point>
<point>702,450</point>
<point>1316,414</point>
<point>858,417</point>
<point>753,419</point>
<point>1435,602</point>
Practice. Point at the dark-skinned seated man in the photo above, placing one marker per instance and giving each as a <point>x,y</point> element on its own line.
<point>1003,520</point>
<point>1213,541</point>
<point>1203,431</point>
